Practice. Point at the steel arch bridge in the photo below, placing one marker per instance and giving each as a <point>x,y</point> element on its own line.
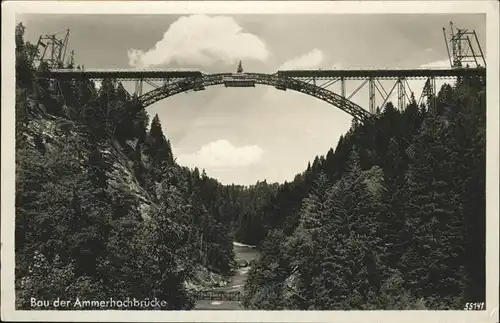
<point>315,83</point>
<point>462,46</point>
<point>275,80</point>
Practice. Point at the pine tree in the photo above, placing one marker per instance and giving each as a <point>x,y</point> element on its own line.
<point>24,52</point>
<point>158,148</point>
<point>391,219</point>
<point>434,217</point>
<point>172,251</point>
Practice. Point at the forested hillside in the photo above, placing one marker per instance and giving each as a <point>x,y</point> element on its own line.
<point>372,226</point>
<point>102,208</point>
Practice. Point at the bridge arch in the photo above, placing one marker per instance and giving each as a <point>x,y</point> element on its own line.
<point>275,80</point>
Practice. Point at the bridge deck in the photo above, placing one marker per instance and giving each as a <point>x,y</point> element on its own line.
<point>384,73</point>
<point>122,74</point>
<point>135,74</point>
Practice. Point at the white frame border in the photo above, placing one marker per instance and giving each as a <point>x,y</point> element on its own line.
<point>9,11</point>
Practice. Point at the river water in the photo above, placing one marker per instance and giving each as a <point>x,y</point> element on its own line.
<point>237,281</point>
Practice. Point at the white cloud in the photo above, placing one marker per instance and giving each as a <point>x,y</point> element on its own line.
<point>444,63</point>
<point>203,41</point>
<point>307,61</point>
<point>222,153</point>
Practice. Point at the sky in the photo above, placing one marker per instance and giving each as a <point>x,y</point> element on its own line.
<point>245,135</point>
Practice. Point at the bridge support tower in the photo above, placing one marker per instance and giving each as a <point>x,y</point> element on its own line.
<point>401,93</point>
<point>371,94</point>
<point>342,86</point>
<point>429,93</point>
<point>138,88</point>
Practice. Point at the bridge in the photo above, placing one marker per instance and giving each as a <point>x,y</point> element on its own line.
<point>212,295</point>
<point>312,82</point>
<point>462,46</point>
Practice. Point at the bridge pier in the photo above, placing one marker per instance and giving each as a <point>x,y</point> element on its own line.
<point>371,90</point>
<point>138,87</point>
<point>342,86</point>
<point>429,92</point>
<point>401,93</point>
<point>432,95</point>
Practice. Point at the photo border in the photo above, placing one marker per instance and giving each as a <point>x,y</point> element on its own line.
<point>11,8</point>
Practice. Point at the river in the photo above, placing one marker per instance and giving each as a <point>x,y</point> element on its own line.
<point>237,281</point>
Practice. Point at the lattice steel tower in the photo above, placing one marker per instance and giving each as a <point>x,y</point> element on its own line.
<point>51,50</point>
<point>465,48</point>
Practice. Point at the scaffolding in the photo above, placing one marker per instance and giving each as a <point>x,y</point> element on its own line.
<point>463,48</point>
<point>51,50</point>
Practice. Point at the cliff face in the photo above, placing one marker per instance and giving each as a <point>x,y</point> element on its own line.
<point>44,133</point>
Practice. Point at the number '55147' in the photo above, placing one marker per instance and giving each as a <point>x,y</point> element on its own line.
<point>474,306</point>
